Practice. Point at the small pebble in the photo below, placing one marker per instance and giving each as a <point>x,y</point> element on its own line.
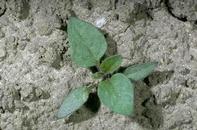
<point>100,22</point>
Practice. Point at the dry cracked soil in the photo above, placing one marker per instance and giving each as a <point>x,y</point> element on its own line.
<point>36,71</point>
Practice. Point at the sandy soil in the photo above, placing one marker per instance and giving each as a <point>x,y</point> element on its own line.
<point>36,71</point>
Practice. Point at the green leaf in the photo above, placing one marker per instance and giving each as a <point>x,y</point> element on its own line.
<point>87,44</point>
<point>140,71</point>
<point>73,102</point>
<point>117,93</point>
<point>110,64</point>
<point>97,75</point>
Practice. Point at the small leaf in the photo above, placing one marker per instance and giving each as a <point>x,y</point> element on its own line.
<point>73,102</point>
<point>97,75</point>
<point>110,64</point>
<point>140,71</point>
<point>87,44</point>
<point>117,93</point>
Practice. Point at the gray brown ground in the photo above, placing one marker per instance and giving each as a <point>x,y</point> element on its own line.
<point>36,71</point>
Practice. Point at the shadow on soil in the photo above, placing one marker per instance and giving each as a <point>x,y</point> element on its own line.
<point>111,46</point>
<point>87,111</point>
<point>147,112</point>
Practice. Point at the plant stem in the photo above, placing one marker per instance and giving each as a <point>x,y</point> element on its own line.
<point>91,87</point>
<point>98,66</point>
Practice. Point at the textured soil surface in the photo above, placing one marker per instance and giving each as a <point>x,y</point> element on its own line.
<point>36,71</point>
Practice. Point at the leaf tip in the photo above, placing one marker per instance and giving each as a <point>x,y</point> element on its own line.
<point>59,114</point>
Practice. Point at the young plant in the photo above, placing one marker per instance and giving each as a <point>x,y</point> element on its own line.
<point>87,46</point>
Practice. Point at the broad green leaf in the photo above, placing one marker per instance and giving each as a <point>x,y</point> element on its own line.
<point>140,71</point>
<point>87,43</point>
<point>97,75</point>
<point>111,64</point>
<point>73,102</point>
<point>117,93</point>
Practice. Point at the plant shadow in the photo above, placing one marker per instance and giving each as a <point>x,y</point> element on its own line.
<point>158,77</point>
<point>87,111</point>
<point>111,46</point>
<point>148,113</point>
